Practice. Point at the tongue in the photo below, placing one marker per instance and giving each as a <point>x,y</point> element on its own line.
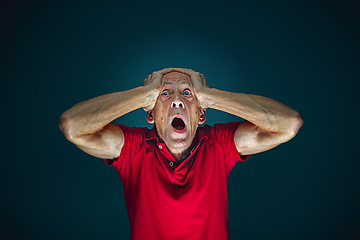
<point>178,124</point>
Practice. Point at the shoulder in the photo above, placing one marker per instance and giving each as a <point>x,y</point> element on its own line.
<point>134,131</point>
<point>219,131</point>
<point>138,136</point>
<point>134,140</point>
<point>219,127</point>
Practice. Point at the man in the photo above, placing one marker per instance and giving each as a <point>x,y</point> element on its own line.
<point>175,175</point>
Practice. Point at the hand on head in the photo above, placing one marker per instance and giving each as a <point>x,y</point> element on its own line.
<point>155,78</point>
<point>199,83</point>
<point>198,79</point>
<point>155,81</point>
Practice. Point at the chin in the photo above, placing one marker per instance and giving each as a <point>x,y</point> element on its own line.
<point>180,143</point>
<point>179,140</point>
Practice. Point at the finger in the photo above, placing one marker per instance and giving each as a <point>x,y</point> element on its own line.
<point>203,77</point>
<point>187,71</point>
<point>166,70</point>
<point>204,80</point>
<point>146,80</point>
<point>162,72</point>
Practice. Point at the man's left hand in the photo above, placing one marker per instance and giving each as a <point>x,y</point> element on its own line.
<point>200,84</point>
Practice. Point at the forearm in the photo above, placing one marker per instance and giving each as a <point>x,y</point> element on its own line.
<point>92,115</point>
<point>268,114</point>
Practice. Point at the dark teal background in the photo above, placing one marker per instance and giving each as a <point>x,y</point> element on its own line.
<point>304,54</point>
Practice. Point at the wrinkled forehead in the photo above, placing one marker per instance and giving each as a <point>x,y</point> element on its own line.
<point>174,77</point>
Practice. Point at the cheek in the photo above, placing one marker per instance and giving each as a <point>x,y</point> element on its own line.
<point>160,116</point>
<point>195,117</point>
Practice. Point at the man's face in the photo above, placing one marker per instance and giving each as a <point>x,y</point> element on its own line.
<point>177,111</point>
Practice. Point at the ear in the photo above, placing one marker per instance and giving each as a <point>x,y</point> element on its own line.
<point>202,115</point>
<point>150,117</point>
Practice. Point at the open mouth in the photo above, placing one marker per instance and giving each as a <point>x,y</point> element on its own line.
<point>178,125</point>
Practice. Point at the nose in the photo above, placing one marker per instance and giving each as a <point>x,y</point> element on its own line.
<point>177,103</point>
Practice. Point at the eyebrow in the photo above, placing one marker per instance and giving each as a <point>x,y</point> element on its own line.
<point>187,82</point>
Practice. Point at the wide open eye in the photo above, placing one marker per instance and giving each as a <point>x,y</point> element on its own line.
<point>187,93</point>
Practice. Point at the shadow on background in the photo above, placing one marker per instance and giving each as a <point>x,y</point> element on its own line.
<point>54,55</point>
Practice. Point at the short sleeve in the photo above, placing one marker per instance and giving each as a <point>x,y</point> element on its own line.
<point>133,138</point>
<point>225,134</point>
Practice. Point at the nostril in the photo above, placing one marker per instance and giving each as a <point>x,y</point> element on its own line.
<point>177,105</point>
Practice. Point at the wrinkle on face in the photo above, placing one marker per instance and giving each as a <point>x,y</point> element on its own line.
<point>183,83</point>
<point>176,84</point>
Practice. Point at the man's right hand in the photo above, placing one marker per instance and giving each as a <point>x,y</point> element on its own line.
<point>89,125</point>
<point>154,81</point>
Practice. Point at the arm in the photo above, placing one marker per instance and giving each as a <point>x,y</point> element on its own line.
<point>269,122</point>
<point>89,124</point>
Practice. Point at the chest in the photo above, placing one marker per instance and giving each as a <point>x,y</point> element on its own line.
<point>153,173</point>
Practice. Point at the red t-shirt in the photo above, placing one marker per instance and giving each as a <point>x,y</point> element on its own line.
<point>186,202</point>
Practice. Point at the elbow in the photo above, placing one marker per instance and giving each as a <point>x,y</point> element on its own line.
<point>66,125</point>
<point>295,124</point>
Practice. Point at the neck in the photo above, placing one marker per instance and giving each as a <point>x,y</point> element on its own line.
<point>180,154</point>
